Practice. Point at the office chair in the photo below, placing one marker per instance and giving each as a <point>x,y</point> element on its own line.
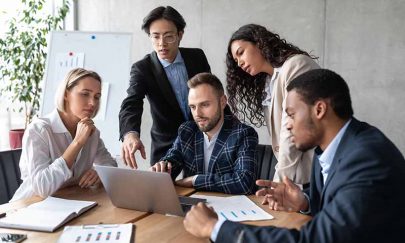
<point>266,162</point>
<point>9,174</point>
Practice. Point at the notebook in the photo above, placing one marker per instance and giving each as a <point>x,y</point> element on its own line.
<point>47,215</point>
<point>144,191</point>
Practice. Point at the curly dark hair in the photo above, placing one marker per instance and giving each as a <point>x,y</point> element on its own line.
<point>245,91</point>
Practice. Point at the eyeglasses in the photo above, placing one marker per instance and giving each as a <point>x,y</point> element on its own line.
<point>168,38</point>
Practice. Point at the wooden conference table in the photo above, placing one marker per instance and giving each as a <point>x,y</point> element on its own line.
<point>150,227</point>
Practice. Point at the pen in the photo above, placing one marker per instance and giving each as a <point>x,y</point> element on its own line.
<point>2,215</point>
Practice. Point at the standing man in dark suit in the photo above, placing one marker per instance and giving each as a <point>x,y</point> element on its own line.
<point>358,175</point>
<point>162,77</point>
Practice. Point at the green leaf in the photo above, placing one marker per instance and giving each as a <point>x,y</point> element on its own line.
<point>23,53</point>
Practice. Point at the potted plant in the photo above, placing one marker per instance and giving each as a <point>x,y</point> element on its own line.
<point>23,56</point>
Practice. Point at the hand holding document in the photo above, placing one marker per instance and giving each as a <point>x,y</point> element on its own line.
<point>236,208</point>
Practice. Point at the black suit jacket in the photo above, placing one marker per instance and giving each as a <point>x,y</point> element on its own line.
<point>148,78</point>
<point>361,201</point>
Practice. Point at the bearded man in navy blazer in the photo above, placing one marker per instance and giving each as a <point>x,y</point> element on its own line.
<point>358,175</point>
<point>216,151</point>
<point>162,77</point>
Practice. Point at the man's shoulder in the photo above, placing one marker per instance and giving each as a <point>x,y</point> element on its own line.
<point>365,133</point>
<point>145,61</point>
<point>239,127</point>
<point>187,51</point>
<point>188,127</point>
<point>366,139</point>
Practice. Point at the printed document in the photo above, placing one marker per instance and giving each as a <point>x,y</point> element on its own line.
<point>97,233</point>
<point>236,208</point>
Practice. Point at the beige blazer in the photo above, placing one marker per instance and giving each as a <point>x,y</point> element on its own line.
<point>291,162</point>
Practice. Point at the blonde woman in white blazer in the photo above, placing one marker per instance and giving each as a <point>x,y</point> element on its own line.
<point>260,66</point>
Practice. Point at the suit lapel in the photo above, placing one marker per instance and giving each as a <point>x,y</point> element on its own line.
<point>188,62</point>
<point>163,82</point>
<point>332,171</point>
<point>316,186</point>
<point>340,152</point>
<point>318,174</point>
<point>199,153</point>
<point>273,95</point>
<point>220,143</point>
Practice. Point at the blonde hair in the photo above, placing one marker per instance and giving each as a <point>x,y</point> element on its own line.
<point>71,80</point>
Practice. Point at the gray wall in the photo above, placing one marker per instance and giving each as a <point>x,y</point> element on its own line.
<point>362,40</point>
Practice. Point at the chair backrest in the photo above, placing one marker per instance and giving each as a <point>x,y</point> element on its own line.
<point>9,174</point>
<point>266,162</point>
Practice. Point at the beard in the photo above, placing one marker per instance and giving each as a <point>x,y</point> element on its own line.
<point>310,138</point>
<point>304,147</point>
<point>211,122</point>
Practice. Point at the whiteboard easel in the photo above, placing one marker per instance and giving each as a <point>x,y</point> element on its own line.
<point>108,54</point>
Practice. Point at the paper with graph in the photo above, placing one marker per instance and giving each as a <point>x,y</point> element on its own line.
<point>236,208</point>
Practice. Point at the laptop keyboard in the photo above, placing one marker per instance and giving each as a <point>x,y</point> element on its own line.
<point>187,202</point>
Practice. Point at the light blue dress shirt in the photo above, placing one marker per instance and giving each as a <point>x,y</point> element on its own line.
<point>326,158</point>
<point>177,74</point>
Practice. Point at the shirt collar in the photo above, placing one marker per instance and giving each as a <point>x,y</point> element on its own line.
<point>326,158</point>
<point>56,122</point>
<point>178,59</point>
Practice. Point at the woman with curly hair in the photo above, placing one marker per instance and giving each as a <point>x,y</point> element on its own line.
<point>260,66</point>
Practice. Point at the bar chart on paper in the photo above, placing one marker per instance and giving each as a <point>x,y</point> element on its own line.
<point>236,208</point>
<point>97,233</point>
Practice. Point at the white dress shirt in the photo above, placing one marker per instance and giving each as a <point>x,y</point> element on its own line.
<point>268,87</point>
<point>208,148</point>
<point>43,170</point>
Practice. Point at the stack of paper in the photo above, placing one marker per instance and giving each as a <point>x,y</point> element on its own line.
<point>236,208</point>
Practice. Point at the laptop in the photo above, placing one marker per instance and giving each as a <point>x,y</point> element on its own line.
<point>144,191</point>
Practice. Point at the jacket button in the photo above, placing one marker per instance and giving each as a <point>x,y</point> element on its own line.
<point>277,148</point>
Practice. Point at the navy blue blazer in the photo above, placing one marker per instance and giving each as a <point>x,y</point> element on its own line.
<point>232,167</point>
<point>361,201</point>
